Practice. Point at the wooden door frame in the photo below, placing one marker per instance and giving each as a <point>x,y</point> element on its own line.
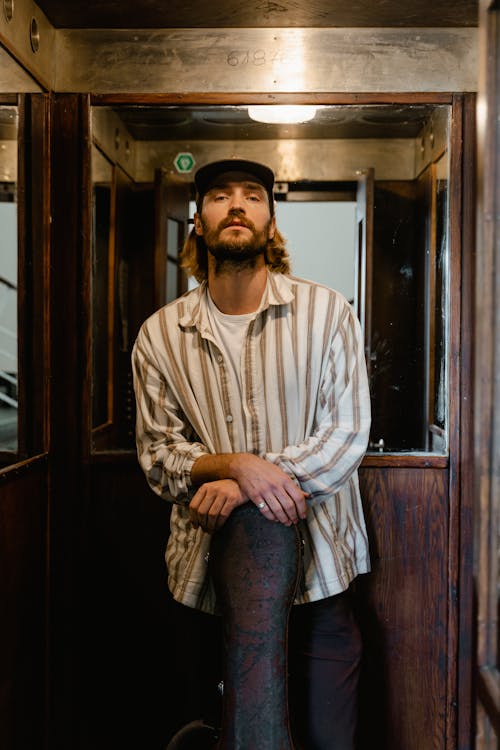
<point>363,285</point>
<point>459,463</point>
<point>487,392</point>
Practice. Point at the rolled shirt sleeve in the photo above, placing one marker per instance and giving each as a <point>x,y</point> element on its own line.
<point>166,445</point>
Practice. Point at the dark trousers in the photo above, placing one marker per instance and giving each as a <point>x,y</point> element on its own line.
<point>324,665</point>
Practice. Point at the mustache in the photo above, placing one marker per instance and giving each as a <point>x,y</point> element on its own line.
<point>236,214</point>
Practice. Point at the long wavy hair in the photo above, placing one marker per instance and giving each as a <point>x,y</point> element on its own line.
<point>194,256</point>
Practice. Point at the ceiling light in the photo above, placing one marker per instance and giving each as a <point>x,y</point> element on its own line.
<point>286,114</point>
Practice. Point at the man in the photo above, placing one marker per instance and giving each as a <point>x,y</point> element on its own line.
<point>253,388</point>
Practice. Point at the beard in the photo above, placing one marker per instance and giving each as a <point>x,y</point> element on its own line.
<point>238,252</point>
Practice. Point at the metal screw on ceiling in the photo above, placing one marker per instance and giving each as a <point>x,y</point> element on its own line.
<point>34,35</point>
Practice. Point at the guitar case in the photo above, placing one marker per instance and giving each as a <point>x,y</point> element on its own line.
<point>255,565</point>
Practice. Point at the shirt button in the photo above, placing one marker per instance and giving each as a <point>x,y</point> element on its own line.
<point>220,359</point>
<point>229,418</point>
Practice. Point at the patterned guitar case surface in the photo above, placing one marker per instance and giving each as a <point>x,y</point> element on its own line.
<point>255,565</point>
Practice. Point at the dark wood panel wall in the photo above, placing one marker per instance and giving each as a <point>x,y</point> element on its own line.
<point>23,562</point>
<point>487,387</point>
<point>129,689</point>
<point>462,467</point>
<point>403,608</point>
<point>134,645</point>
<point>129,658</point>
<point>70,415</point>
<point>132,642</point>
<point>24,480</point>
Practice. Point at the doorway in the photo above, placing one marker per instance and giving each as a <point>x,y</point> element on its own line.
<point>413,491</point>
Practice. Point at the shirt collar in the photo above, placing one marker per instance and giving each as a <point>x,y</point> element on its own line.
<point>278,291</point>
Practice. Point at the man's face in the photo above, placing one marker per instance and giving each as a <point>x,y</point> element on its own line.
<point>235,220</point>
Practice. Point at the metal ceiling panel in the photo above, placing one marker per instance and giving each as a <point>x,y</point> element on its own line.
<point>397,140</point>
<point>223,123</point>
<point>270,60</point>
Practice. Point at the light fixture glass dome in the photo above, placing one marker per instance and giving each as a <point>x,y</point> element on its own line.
<point>282,113</point>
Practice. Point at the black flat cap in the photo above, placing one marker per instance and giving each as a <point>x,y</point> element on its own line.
<point>207,175</point>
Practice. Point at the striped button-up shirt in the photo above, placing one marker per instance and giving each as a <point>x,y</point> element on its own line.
<point>305,406</point>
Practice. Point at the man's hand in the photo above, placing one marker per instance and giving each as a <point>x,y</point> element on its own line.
<point>213,503</point>
<point>276,495</point>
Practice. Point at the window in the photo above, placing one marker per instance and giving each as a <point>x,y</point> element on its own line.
<point>8,280</point>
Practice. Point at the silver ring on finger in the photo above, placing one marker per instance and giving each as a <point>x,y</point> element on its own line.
<point>261,505</point>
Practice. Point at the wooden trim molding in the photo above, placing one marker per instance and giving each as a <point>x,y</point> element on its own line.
<point>34,462</point>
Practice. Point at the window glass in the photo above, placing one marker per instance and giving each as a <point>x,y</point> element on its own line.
<point>8,280</point>
<point>102,175</point>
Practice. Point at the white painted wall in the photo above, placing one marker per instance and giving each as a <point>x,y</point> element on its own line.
<point>321,240</point>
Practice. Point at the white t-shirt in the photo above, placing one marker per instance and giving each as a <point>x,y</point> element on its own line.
<point>230,331</point>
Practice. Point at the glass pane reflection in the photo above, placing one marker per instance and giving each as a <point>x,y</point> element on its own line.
<point>8,280</point>
<point>102,176</point>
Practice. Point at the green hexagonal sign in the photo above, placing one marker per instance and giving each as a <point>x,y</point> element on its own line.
<point>184,162</point>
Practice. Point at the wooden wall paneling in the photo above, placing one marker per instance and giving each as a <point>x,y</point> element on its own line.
<point>23,527</point>
<point>24,484</point>
<point>9,99</point>
<point>69,411</point>
<point>33,274</point>
<point>130,696</point>
<point>464,592</point>
<point>486,391</point>
<point>455,384</point>
<point>485,328</point>
<point>441,717</point>
<point>83,189</point>
<point>40,234</point>
<point>404,609</point>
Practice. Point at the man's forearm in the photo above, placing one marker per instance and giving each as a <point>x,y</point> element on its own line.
<point>276,495</point>
<point>213,466</point>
